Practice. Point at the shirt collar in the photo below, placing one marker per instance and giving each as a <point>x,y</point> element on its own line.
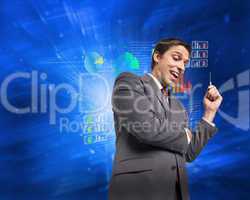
<point>156,81</point>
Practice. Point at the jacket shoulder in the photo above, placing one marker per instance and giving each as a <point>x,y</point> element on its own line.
<point>127,76</point>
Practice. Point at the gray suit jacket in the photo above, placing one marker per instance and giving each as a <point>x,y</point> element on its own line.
<point>151,143</point>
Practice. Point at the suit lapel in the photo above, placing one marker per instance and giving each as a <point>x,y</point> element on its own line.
<point>153,88</point>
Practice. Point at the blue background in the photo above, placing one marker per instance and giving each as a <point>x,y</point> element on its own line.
<point>66,38</point>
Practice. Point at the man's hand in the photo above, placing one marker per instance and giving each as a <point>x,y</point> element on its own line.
<point>211,101</point>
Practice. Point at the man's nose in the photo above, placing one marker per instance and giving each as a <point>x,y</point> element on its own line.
<point>181,67</point>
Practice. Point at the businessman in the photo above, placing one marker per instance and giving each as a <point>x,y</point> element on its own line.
<point>153,141</point>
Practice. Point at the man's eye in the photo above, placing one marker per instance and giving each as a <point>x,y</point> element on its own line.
<point>176,58</point>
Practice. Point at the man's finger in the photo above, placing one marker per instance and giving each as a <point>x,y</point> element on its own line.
<point>210,87</point>
<point>212,90</point>
<point>213,93</point>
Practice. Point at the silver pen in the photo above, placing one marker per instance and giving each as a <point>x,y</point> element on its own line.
<point>210,79</point>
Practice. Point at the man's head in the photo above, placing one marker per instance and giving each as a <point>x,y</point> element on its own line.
<point>169,59</point>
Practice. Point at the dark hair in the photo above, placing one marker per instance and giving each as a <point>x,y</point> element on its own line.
<point>163,45</point>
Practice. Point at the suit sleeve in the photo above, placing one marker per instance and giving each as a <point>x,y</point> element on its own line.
<point>203,132</point>
<point>136,115</point>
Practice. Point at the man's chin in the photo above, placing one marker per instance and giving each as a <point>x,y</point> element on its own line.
<point>172,83</point>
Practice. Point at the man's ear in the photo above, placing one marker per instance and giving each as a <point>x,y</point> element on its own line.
<point>156,56</point>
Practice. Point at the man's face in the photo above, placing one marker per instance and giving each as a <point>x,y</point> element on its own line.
<point>171,64</point>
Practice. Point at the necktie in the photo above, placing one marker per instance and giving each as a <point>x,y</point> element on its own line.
<point>164,92</point>
<point>165,95</point>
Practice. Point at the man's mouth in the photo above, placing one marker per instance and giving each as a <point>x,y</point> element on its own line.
<point>174,74</point>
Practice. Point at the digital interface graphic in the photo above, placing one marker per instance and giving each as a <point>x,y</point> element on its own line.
<point>59,60</point>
